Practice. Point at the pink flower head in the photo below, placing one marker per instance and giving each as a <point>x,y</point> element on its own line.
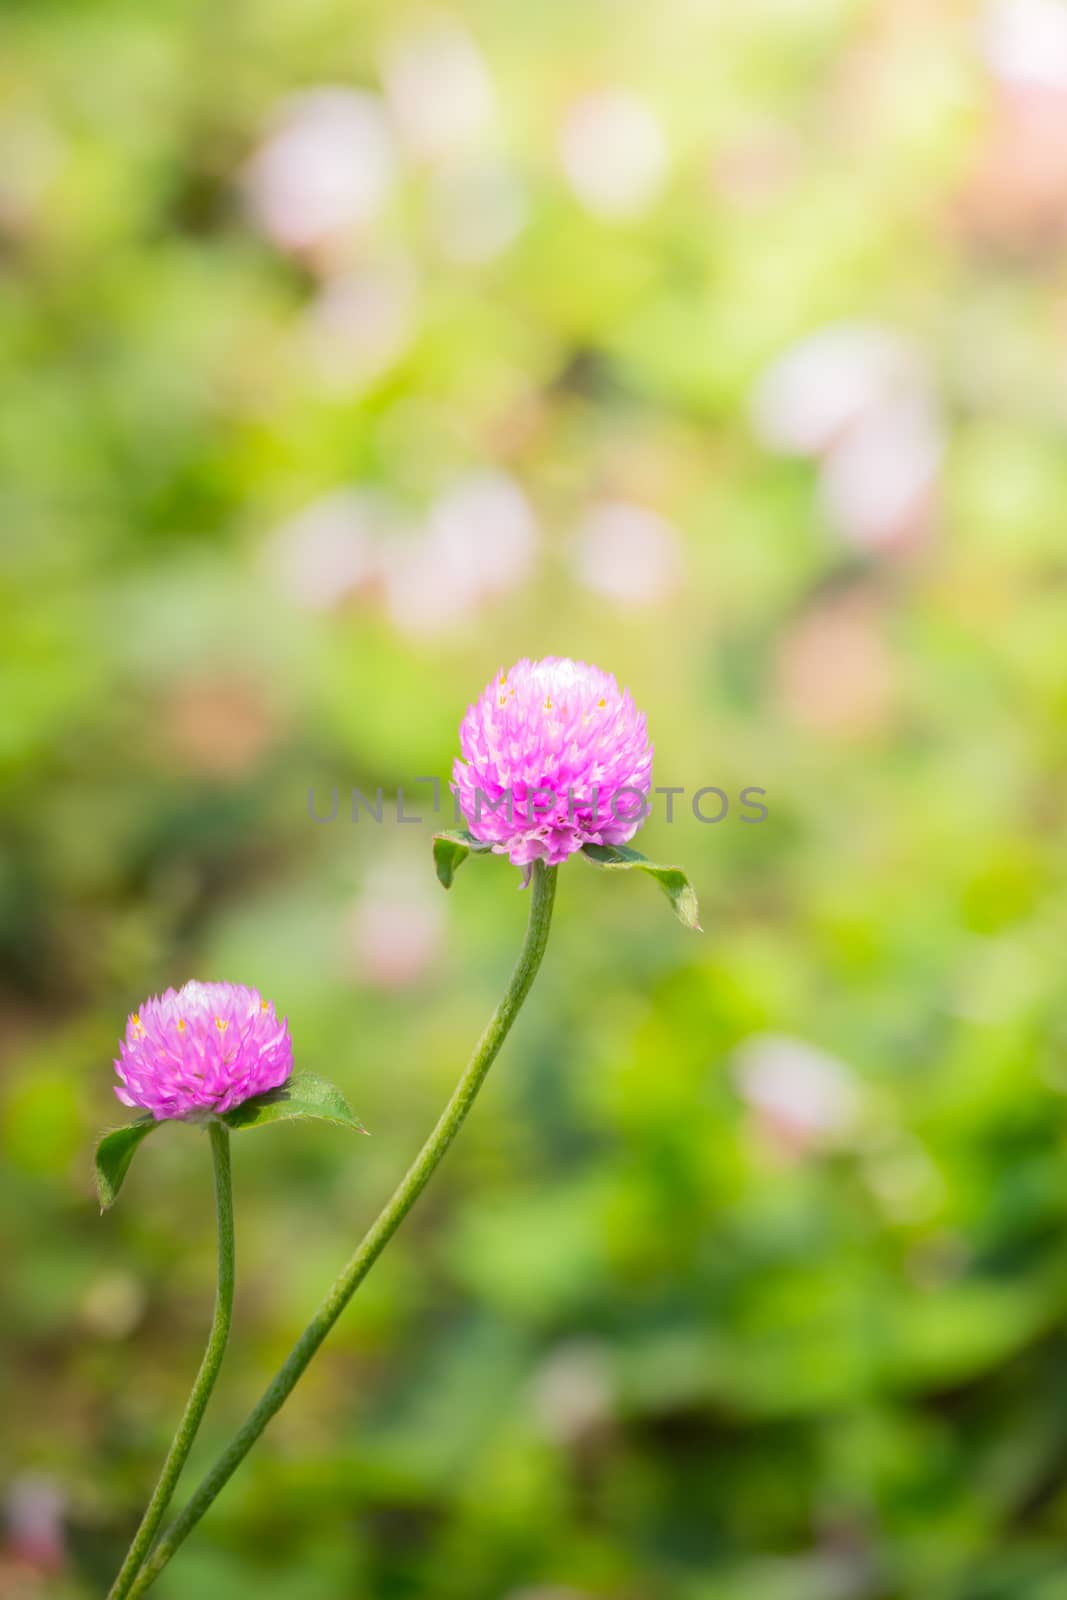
<point>555,756</point>
<point>202,1049</point>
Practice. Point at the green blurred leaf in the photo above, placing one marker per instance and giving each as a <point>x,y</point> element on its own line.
<point>672,880</point>
<point>113,1156</point>
<point>303,1096</point>
<point>451,848</point>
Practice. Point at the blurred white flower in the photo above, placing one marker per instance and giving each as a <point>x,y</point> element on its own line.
<point>113,1305</point>
<point>478,210</point>
<point>803,1098</point>
<point>809,395</point>
<point>330,550</point>
<point>363,321</point>
<point>1025,42</point>
<point>614,153</point>
<point>571,1394</point>
<point>627,554</point>
<point>439,90</point>
<point>325,169</point>
<point>393,933</point>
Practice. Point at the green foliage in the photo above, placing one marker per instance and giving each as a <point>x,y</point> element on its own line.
<point>113,1155</point>
<point>672,880</point>
<point>303,1096</point>
<point>450,849</point>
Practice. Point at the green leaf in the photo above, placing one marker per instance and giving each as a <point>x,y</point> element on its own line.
<point>113,1156</point>
<point>672,880</point>
<point>451,848</point>
<point>303,1096</point>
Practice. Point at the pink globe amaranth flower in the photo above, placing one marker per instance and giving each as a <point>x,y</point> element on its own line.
<point>554,756</point>
<point>202,1049</point>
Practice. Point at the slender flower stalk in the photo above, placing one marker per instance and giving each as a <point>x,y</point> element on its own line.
<point>381,1231</point>
<point>205,1378</point>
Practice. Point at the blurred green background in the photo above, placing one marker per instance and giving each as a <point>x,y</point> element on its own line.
<point>349,352</point>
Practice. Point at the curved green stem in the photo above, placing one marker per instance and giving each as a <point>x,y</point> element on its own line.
<point>543,892</point>
<point>205,1378</point>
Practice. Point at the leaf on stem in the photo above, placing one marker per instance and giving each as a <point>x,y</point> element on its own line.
<point>113,1156</point>
<point>672,880</point>
<point>303,1096</point>
<point>451,848</point>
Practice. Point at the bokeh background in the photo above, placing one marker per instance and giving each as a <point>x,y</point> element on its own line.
<point>349,352</point>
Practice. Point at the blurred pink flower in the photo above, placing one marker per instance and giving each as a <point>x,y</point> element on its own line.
<point>34,1508</point>
<point>803,1098</point>
<point>201,1049</point>
<point>324,171</point>
<point>878,484</point>
<point>483,524</point>
<point>628,554</point>
<point>614,153</point>
<point>857,397</point>
<point>753,170</point>
<point>554,756</point>
<point>426,594</point>
<point>478,543</point>
<point>217,727</point>
<point>835,672</point>
<point>31,156</point>
<point>828,381</point>
<point>331,550</point>
<point>1016,193</point>
<point>550,1591</point>
<point>394,931</point>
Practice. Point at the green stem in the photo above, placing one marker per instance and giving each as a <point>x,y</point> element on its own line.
<point>205,1378</point>
<point>543,892</point>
